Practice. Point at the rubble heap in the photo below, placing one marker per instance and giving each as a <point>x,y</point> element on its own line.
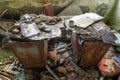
<point>65,47</point>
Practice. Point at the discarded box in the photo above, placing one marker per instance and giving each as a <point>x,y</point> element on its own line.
<point>89,52</point>
<point>92,52</point>
<point>88,44</point>
<point>31,54</point>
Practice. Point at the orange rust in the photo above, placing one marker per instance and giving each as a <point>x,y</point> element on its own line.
<point>90,52</point>
<point>31,54</point>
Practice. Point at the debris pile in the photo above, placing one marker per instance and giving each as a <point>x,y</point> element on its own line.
<point>110,64</point>
<point>65,47</point>
<point>37,28</point>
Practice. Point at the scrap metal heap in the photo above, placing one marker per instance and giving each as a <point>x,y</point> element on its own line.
<point>65,47</point>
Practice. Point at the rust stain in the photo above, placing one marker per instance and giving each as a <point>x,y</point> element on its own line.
<point>92,52</point>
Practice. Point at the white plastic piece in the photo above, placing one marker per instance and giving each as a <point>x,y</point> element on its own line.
<point>28,30</point>
<point>85,20</point>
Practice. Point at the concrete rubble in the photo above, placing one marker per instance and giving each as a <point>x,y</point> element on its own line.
<point>79,47</point>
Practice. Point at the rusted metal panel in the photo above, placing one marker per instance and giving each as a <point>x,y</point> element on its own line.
<point>31,54</point>
<point>92,52</point>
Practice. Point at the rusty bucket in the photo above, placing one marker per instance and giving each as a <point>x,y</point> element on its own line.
<point>30,54</point>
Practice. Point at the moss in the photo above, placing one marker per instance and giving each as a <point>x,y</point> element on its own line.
<point>6,55</point>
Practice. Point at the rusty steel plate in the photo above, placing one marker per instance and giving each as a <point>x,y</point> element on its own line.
<point>92,52</point>
<point>31,54</point>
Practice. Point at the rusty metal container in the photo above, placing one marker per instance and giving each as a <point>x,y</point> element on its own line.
<point>31,54</point>
<point>90,52</point>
